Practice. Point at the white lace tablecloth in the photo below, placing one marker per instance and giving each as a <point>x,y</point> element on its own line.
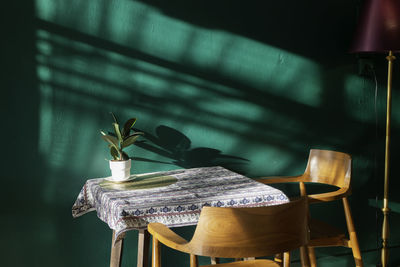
<point>175,198</point>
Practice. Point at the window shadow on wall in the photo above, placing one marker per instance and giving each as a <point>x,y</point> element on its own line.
<point>83,75</point>
<point>303,27</point>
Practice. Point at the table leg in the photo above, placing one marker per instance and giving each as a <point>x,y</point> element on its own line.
<point>116,251</point>
<point>143,248</point>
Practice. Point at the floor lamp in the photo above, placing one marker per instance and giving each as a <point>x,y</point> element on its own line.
<point>379,32</point>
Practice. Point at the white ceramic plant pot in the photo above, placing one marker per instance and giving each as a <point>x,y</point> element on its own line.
<point>120,170</point>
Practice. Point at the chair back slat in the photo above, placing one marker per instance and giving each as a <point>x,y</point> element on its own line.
<point>250,232</point>
<point>328,167</point>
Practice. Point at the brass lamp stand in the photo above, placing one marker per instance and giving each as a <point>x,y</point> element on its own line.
<point>385,227</point>
<point>378,31</point>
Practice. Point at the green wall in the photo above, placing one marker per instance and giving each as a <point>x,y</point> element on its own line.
<point>251,86</point>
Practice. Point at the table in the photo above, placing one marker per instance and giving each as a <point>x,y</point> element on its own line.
<point>174,198</point>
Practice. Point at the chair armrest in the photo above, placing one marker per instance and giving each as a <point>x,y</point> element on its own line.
<point>330,196</point>
<point>168,237</point>
<point>279,179</point>
<point>313,198</point>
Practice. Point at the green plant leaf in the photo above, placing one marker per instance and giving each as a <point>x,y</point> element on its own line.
<point>114,118</point>
<point>124,156</point>
<point>114,152</point>
<point>128,126</point>
<point>110,139</point>
<point>134,134</point>
<point>117,132</point>
<point>130,140</point>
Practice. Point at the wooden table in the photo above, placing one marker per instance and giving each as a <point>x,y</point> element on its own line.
<point>174,198</point>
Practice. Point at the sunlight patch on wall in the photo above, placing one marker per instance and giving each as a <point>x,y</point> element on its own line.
<point>46,119</point>
<point>46,9</point>
<point>225,91</point>
<point>242,60</point>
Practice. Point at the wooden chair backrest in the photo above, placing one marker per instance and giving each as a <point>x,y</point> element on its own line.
<point>251,232</point>
<point>328,167</point>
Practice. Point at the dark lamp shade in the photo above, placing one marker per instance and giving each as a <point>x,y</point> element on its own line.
<point>379,27</point>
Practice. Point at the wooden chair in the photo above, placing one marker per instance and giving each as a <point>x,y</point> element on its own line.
<point>331,168</point>
<point>239,233</point>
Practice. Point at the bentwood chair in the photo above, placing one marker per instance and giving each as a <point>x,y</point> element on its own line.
<point>239,233</point>
<point>330,168</point>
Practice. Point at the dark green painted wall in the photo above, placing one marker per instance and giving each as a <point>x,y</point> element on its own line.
<point>251,86</point>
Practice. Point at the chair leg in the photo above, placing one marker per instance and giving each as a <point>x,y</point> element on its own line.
<point>156,253</point>
<point>143,248</point>
<point>194,262</point>
<point>286,259</point>
<point>311,256</point>
<point>305,262</point>
<point>352,234</point>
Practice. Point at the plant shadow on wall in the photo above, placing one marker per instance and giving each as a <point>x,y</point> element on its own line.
<point>176,146</point>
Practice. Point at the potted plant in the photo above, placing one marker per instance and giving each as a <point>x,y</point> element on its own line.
<point>120,165</point>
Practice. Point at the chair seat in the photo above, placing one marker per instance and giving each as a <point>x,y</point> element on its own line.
<point>251,263</point>
<point>239,233</point>
<point>324,234</point>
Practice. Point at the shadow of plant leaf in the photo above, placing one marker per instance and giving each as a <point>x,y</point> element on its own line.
<point>176,146</point>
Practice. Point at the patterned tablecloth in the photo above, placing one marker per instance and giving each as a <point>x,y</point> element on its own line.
<point>174,198</point>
